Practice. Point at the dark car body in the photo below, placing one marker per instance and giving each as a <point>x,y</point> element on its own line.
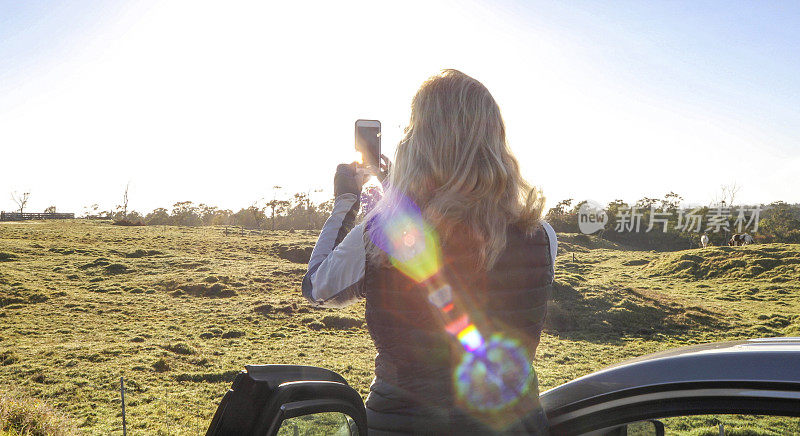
<point>758,376</point>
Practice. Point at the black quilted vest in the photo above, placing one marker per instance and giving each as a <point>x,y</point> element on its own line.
<point>416,357</point>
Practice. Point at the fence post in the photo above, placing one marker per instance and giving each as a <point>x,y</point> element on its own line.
<point>122,395</point>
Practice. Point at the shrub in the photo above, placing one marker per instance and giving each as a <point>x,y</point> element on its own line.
<point>31,416</point>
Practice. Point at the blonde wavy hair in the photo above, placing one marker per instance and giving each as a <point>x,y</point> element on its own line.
<point>455,164</point>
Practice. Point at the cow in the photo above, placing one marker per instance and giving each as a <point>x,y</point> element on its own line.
<point>741,239</point>
<point>704,241</point>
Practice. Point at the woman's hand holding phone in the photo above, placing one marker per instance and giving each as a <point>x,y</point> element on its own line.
<point>349,179</point>
<point>386,167</point>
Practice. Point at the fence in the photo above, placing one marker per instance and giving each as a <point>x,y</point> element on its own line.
<point>16,216</point>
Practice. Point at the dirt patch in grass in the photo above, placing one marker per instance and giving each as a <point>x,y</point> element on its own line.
<point>100,261</point>
<point>337,322</point>
<point>233,334</point>
<point>216,290</point>
<point>142,253</point>
<point>8,357</point>
<point>7,257</point>
<point>263,309</point>
<point>636,262</point>
<point>161,365</point>
<point>294,253</point>
<point>180,348</point>
<point>116,268</point>
<point>208,377</point>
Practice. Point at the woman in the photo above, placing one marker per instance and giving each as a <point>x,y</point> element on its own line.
<point>455,266</point>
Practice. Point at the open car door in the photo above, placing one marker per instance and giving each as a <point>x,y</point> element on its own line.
<point>289,400</point>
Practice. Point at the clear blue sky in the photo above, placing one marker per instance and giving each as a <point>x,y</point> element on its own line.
<point>217,102</point>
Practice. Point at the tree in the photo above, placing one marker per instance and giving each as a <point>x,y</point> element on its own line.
<point>671,201</point>
<point>250,218</point>
<point>646,203</point>
<point>213,216</point>
<point>157,217</point>
<point>727,194</point>
<point>310,209</point>
<point>276,205</point>
<point>185,213</point>
<point>125,201</point>
<point>121,213</point>
<point>781,223</point>
<point>51,209</point>
<point>563,217</point>
<point>90,211</point>
<point>21,200</point>
<point>561,208</point>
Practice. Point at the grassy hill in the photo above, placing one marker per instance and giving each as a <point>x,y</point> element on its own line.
<point>178,311</point>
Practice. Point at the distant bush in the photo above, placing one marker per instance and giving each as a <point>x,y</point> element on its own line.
<point>127,219</point>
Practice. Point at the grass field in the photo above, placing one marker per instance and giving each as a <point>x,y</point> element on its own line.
<point>178,311</point>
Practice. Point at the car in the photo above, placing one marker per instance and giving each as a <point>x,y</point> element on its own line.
<point>750,377</point>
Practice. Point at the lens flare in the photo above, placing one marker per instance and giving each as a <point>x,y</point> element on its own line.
<point>442,297</point>
<point>493,376</point>
<point>411,244</point>
<point>457,326</point>
<point>470,338</point>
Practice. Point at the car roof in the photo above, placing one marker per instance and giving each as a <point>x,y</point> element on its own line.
<point>768,360</point>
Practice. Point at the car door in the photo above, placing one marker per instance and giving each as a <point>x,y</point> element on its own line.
<point>289,400</point>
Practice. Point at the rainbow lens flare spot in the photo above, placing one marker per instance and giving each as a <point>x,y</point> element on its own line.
<point>494,376</point>
<point>441,297</point>
<point>458,325</point>
<point>411,244</point>
<point>470,338</point>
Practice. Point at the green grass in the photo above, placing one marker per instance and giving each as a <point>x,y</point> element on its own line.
<point>178,311</point>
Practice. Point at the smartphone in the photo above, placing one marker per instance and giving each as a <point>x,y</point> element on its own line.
<point>368,142</point>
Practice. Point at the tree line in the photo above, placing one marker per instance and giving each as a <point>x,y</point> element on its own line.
<point>777,222</point>
<point>296,213</point>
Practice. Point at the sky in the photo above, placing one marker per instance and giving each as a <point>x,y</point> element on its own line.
<point>217,102</point>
